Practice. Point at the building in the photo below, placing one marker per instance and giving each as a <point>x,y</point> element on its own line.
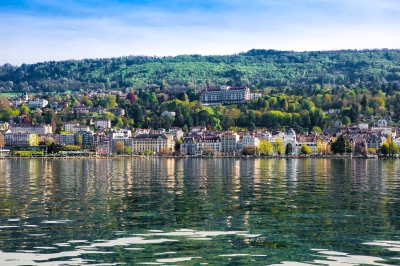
<point>102,122</point>
<point>155,142</point>
<point>176,132</point>
<point>166,113</point>
<point>122,132</point>
<point>87,138</point>
<point>374,141</point>
<point>37,103</point>
<point>21,139</point>
<point>250,140</point>
<point>229,141</point>
<point>225,94</point>
<point>4,126</point>
<point>209,145</point>
<point>32,128</point>
<point>67,139</point>
<point>78,128</point>
<point>127,142</point>
<point>117,111</point>
<point>68,126</point>
<point>189,146</point>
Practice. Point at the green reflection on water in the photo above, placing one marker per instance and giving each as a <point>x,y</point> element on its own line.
<point>236,212</point>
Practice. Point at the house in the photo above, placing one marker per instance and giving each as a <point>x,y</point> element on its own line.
<point>102,123</point>
<point>117,111</point>
<point>382,123</point>
<point>374,141</point>
<point>68,126</point>
<point>37,103</point>
<point>189,146</point>
<point>166,113</point>
<point>4,126</point>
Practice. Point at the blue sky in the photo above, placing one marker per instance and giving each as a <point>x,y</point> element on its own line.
<point>41,30</point>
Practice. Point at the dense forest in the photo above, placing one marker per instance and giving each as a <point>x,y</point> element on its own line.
<point>257,69</point>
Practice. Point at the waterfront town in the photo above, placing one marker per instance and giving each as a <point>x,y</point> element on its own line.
<point>69,124</point>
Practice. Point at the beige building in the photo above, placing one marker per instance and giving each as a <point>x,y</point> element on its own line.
<point>154,142</point>
<point>229,141</point>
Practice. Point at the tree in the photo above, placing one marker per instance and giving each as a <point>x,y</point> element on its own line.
<point>305,150</point>
<point>2,142</point>
<point>164,150</point>
<point>48,141</point>
<point>33,140</point>
<point>385,148</point>
<point>128,150</point>
<point>119,147</point>
<point>79,142</point>
<point>148,152</point>
<point>249,150</point>
<point>279,146</point>
<point>316,129</point>
<point>346,120</point>
<point>265,147</point>
<point>131,97</point>
<point>341,145</point>
<point>4,103</point>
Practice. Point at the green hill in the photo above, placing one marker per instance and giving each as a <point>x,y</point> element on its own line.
<point>255,68</point>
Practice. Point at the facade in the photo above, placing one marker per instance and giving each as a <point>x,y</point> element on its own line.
<point>382,123</point>
<point>374,141</point>
<point>21,139</point>
<point>229,141</point>
<point>37,103</point>
<point>103,123</point>
<point>79,128</point>
<point>250,140</point>
<point>117,111</point>
<point>209,145</point>
<point>176,132</point>
<point>67,139</point>
<point>166,113</point>
<point>68,126</point>
<point>35,128</point>
<point>225,94</point>
<point>127,142</point>
<point>154,142</point>
<point>87,138</point>
<point>189,146</point>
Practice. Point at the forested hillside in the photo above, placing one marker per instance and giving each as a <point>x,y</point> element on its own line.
<point>255,68</point>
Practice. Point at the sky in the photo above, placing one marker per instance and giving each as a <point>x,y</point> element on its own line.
<point>34,31</point>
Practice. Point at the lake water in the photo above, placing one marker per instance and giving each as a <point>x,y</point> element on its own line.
<point>200,211</point>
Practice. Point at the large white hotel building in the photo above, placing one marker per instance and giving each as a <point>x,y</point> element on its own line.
<point>227,94</point>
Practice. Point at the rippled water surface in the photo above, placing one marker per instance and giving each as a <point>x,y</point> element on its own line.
<point>200,211</point>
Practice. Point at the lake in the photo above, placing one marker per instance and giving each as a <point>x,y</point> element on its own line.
<point>293,212</point>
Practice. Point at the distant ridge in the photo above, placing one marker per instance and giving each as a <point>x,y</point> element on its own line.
<point>256,68</point>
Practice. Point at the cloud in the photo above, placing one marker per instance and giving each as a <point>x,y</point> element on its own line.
<point>64,30</point>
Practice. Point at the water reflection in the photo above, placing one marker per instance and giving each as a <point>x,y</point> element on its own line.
<point>217,211</point>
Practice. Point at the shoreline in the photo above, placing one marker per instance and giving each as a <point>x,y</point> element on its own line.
<point>124,157</point>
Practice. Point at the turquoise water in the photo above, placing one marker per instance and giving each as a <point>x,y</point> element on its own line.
<point>200,211</point>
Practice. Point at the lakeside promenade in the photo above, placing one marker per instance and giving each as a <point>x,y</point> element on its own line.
<point>123,157</point>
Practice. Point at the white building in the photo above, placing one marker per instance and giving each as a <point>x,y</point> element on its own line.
<point>166,113</point>
<point>103,123</point>
<point>21,139</point>
<point>68,126</point>
<point>38,103</point>
<point>382,123</point>
<point>215,96</point>
<point>35,128</point>
<point>80,128</point>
